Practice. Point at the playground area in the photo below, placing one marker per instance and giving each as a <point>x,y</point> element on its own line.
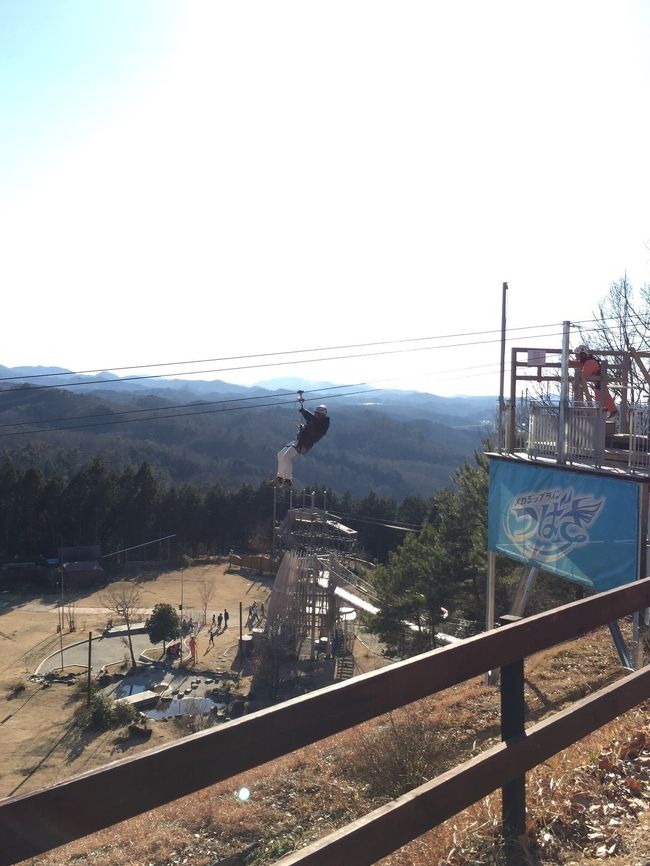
<point>40,744</point>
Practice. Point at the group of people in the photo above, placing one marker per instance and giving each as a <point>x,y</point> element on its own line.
<point>218,620</point>
<point>256,614</point>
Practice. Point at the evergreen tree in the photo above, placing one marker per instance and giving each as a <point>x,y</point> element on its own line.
<point>443,567</point>
<point>164,624</point>
<point>413,590</point>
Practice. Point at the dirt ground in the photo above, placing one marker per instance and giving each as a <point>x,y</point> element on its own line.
<point>39,746</point>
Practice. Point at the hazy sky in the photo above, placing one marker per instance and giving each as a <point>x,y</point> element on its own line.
<point>201,180</point>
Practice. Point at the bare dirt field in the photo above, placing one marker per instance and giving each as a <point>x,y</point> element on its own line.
<point>39,745</point>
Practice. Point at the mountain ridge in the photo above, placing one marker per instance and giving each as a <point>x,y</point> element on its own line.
<point>395,443</point>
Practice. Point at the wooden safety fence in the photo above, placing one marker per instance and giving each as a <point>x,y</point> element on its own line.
<point>34,823</point>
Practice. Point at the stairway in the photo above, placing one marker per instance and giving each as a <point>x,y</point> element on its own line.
<point>344,667</point>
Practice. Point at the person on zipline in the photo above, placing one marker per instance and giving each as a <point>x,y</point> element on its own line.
<point>315,427</point>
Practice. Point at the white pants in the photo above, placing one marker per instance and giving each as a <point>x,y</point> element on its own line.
<point>286,456</point>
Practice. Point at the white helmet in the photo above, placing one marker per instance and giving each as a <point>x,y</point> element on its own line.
<point>320,410</point>
<point>580,350</point>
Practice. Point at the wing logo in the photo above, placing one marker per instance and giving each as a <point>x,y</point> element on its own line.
<point>547,525</point>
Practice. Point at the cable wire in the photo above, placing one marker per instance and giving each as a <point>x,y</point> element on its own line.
<point>273,364</point>
<point>167,417</point>
<point>269,354</point>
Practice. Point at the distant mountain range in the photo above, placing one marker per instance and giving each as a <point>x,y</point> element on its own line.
<point>396,443</point>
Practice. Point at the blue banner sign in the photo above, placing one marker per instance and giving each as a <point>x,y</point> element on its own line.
<point>579,526</point>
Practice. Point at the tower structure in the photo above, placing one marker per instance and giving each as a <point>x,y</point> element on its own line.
<point>570,484</point>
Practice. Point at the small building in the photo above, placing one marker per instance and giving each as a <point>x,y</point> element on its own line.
<point>81,566</point>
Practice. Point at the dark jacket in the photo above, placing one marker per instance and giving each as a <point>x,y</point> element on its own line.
<point>315,428</point>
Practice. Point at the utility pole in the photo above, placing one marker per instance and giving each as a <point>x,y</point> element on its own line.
<point>502,405</point>
<point>180,662</point>
<point>90,645</point>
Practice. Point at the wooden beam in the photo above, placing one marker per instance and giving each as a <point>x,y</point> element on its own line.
<point>639,362</point>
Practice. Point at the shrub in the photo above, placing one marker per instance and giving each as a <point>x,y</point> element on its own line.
<point>15,688</point>
<point>103,713</point>
<point>81,688</point>
<point>123,714</point>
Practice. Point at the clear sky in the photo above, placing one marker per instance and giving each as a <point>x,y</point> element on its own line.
<point>201,180</point>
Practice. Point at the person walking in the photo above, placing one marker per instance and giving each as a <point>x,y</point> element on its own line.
<point>226,617</point>
<point>211,641</point>
<point>219,621</point>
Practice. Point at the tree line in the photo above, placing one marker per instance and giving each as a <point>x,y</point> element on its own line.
<point>41,512</point>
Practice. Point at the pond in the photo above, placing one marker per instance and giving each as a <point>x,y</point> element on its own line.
<point>125,689</point>
<point>185,706</point>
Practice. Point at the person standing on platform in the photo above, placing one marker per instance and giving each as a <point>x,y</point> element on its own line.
<point>589,365</point>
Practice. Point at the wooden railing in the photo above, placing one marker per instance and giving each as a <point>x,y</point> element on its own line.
<point>34,823</point>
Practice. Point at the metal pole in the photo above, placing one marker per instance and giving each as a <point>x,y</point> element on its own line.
<point>313,586</point>
<point>90,644</point>
<point>512,408</point>
<point>502,404</point>
<point>275,507</point>
<point>241,638</point>
<point>61,621</point>
<point>639,623</point>
<point>489,603</point>
<point>180,660</point>
<point>564,395</point>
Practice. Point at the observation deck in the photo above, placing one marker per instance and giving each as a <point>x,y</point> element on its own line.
<point>573,429</point>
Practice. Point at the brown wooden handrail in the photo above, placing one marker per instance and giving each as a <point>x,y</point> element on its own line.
<point>381,832</point>
<point>33,823</point>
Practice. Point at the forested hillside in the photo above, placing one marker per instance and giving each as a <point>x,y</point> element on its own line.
<point>41,512</point>
<point>394,443</point>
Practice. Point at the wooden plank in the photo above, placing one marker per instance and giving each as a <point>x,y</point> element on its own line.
<point>367,840</point>
<point>33,823</point>
<point>640,364</point>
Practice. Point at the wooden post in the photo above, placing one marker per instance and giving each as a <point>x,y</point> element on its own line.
<point>513,708</point>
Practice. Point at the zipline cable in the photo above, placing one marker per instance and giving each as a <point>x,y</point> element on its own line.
<point>273,364</point>
<point>271,354</point>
